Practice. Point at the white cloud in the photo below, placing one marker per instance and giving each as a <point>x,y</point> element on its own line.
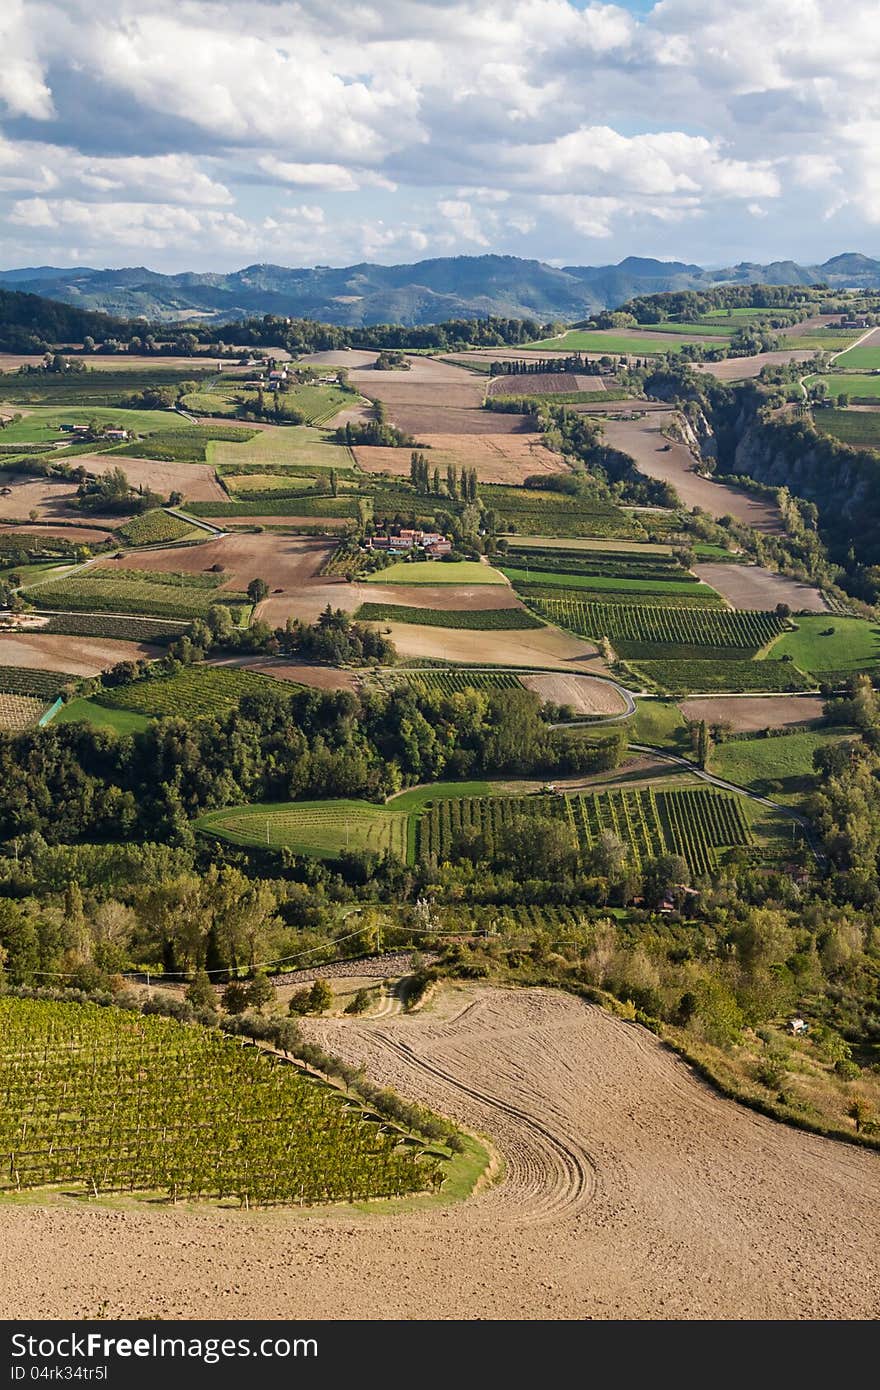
<point>438,124</point>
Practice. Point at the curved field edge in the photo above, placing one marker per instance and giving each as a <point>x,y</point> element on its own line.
<point>463,1161</point>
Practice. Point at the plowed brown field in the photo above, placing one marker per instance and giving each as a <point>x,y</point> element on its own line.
<point>631,1191</point>
<point>498,458</point>
<point>80,656</point>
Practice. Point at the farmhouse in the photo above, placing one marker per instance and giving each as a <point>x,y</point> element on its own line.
<point>431,542</point>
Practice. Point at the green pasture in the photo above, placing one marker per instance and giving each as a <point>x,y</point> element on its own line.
<point>323,829</point>
<point>437,572</point>
<point>826,642</point>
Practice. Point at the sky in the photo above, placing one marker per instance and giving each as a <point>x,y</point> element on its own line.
<point>214,134</point>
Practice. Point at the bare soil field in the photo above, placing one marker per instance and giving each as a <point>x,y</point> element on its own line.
<point>288,563</point>
<point>196,481</point>
<point>536,646</point>
<point>434,397</point>
<point>80,656</point>
<point>297,672</point>
<point>544,384</point>
<point>498,458</point>
<point>618,407</point>
<point>812,325</point>
<point>644,442</point>
<point>742,368</point>
<point>584,694</point>
<point>752,586</point>
<point>748,714</point>
<point>444,597</point>
<point>52,501</point>
<point>631,1190</point>
<point>86,534</point>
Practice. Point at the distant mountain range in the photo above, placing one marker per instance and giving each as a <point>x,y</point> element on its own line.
<point>427,292</point>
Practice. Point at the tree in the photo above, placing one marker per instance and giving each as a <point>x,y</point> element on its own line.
<point>201,993</point>
<point>299,1002</point>
<point>235,997</point>
<point>257,590</point>
<point>320,997</point>
<point>359,1003</point>
<point>260,992</point>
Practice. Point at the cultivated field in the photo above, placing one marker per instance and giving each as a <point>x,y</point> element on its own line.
<point>267,1133</point>
<point>751,586</point>
<point>286,563</point>
<point>747,714</point>
<point>74,534</point>
<point>541,647</point>
<point>51,501</point>
<point>548,384</point>
<point>498,458</point>
<point>582,694</point>
<point>19,711</point>
<point>644,442</point>
<point>195,480</point>
<point>196,692</point>
<point>859,427</point>
<point>744,368</point>
<point>324,829</point>
<point>434,572</point>
<point>80,656</point>
<point>595,1122</point>
<point>298,445</point>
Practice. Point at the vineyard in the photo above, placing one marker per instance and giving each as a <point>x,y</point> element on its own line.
<point>114,1102</point>
<point>184,443</point>
<point>19,712</point>
<point>616,564</point>
<point>642,631</point>
<point>126,591</point>
<point>582,587</point>
<point>324,829</point>
<point>106,625</point>
<point>196,692</point>
<point>344,507</point>
<point>683,677</point>
<point>692,822</point>
<point>156,528</point>
<point>483,620</point>
<point>450,682</point>
<point>39,685</point>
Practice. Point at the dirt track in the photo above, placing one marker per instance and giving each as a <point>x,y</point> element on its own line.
<point>632,1191</point>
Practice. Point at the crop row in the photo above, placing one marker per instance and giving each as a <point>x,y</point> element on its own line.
<point>154,528</point>
<point>19,712</point>
<point>88,594</point>
<point>120,1103</point>
<point>684,677</point>
<point>693,823</point>
<point>118,628</point>
<point>24,680</point>
<point>451,682</point>
<point>626,625</point>
<point>273,506</point>
<point>602,590</point>
<point>194,692</point>
<point>482,620</point>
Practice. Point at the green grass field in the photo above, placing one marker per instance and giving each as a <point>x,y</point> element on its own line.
<point>613,345</point>
<point>858,387</point>
<point>825,642</point>
<point>42,423</point>
<point>323,829</point>
<point>860,428</point>
<point>659,723</point>
<point>780,768</point>
<point>316,403</point>
<point>301,445</point>
<point>437,572</point>
<point>859,359</point>
<point>102,717</point>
